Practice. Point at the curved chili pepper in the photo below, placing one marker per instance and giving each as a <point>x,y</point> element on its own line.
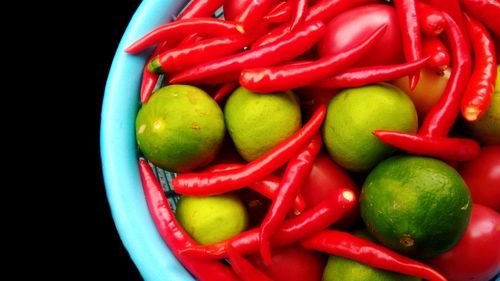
<point>349,246</point>
<point>477,96</point>
<point>439,56</point>
<point>445,148</point>
<point>245,270</point>
<point>289,47</point>
<point>176,30</point>
<point>410,33</point>
<point>149,80</point>
<point>360,76</point>
<point>252,14</point>
<point>486,11</point>
<point>299,9</point>
<point>173,234</point>
<point>295,75</point>
<point>323,10</point>
<point>442,115</point>
<point>313,220</point>
<point>296,173</point>
<point>199,9</point>
<point>280,13</point>
<point>184,57</point>
<point>268,187</point>
<point>225,90</point>
<point>224,181</point>
<point>431,21</point>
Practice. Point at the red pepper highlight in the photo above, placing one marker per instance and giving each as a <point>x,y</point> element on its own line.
<point>245,270</point>
<point>349,246</point>
<point>360,76</point>
<point>431,21</point>
<point>177,30</point>
<point>486,11</point>
<point>296,173</point>
<point>442,115</point>
<point>149,80</point>
<point>289,47</point>
<point>224,181</point>
<point>200,9</point>
<point>280,13</point>
<point>252,14</point>
<point>299,10</point>
<point>295,75</point>
<point>172,233</point>
<point>477,96</point>
<point>445,148</point>
<point>439,56</point>
<point>295,229</point>
<point>225,90</point>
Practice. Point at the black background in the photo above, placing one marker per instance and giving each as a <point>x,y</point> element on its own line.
<point>108,258</point>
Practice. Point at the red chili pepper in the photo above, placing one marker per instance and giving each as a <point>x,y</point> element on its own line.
<point>445,148</point>
<point>486,11</point>
<point>295,75</point>
<point>360,76</point>
<point>434,48</point>
<point>410,33</point>
<point>252,14</point>
<point>200,9</point>
<point>176,30</point>
<point>268,187</point>
<point>477,96</point>
<point>323,10</point>
<point>245,270</point>
<point>295,229</point>
<point>296,173</point>
<point>289,47</point>
<point>442,115</point>
<point>224,181</point>
<point>225,90</point>
<point>173,234</point>
<point>431,21</point>
<point>299,10</point>
<point>149,80</point>
<point>184,57</point>
<point>280,13</point>
<point>346,245</point>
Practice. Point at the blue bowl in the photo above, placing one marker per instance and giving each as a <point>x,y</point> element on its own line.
<point>119,153</point>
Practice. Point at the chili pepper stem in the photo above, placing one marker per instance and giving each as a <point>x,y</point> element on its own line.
<point>155,67</point>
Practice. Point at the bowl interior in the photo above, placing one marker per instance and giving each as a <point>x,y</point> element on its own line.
<point>119,153</point>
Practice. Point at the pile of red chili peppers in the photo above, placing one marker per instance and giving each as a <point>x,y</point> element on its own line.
<point>263,49</point>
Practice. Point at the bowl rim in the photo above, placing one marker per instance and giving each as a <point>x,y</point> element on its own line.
<point>119,155</point>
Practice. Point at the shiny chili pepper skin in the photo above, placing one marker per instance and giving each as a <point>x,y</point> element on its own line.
<point>280,13</point>
<point>295,229</point>
<point>149,80</point>
<point>253,13</point>
<point>346,245</point>
<point>225,90</point>
<point>486,11</point>
<point>296,173</point>
<point>431,21</point>
<point>477,96</point>
<point>224,181</point>
<point>295,75</point>
<point>176,30</point>
<point>442,115</point>
<point>323,10</point>
<point>444,148</point>
<point>172,233</point>
<point>268,187</point>
<point>299,10</point>
<point>199,9</point>
<point>360,76</point>
<point>289,47</point>
<point>410,33</point>
<point>182,58</point>
<point>245,269</point>
<point>434,48</point>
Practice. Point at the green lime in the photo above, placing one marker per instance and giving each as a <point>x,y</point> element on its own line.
<point>415,205</point>
<point>259,122</point>
<point>355,113</point>
<point>487,129</point>
<point>211,219</point>
<point>180,128</point>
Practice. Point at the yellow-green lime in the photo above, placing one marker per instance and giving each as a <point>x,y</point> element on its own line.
<point>180,128</point>
<point>487,128</point>
<point>355,113</point>
<point>211,219</point>
<point>415,205</point>
<point>259,122</point>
